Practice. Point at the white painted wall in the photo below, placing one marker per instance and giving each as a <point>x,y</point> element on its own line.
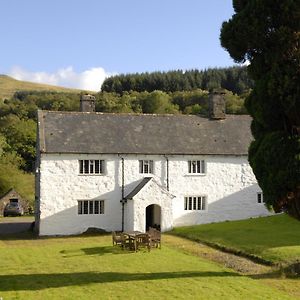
<point>152,193</point>
<point>229,185</point>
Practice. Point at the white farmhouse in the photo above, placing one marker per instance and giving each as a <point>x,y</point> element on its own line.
<point>132,171</point>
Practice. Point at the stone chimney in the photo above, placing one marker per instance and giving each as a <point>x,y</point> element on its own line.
<point>216,105</point>
<point>87,103</point>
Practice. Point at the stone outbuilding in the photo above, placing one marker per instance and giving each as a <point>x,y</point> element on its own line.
<point>12,196</point>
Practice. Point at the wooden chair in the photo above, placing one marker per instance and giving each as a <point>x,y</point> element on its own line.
<point>117,238</point>
<point>127,242</point>
<point>142,240</point>
<point>155,237</point>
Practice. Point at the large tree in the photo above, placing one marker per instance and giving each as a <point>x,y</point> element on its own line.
<point>266,33</point>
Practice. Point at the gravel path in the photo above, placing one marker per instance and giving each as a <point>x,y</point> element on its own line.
<point>239,264</point>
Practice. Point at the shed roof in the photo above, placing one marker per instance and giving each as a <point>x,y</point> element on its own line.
<point>108,133</point>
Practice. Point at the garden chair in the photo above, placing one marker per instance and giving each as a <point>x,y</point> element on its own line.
<point>117,238</point>
<point>142,240</point>
<point>155,237</point>
<point>127,241</point>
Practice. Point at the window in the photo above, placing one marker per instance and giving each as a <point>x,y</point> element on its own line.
<point>91,207</point>
<point>260,197</point>
<point>14,200</point>
<point>195,203</point>
<point>196,166</point>
<point>146,166</point>
<point>91,166</point>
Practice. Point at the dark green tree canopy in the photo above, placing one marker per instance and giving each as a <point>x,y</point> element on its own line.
<point>234,79</point>
<point>267,34</point>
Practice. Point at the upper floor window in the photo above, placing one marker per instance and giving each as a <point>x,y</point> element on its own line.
<point>90,207</point>
<point>196,166</point>
<point>91,166</point>
<point>195,203</point>
<point>146,166</point>
<point>260,197</point>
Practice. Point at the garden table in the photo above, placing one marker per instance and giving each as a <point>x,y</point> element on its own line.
<point>131,238</point>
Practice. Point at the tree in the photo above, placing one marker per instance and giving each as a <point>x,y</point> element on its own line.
<point>267,34</point>
<point>158,102</point>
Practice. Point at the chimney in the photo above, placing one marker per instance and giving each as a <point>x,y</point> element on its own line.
<point>87,103</point>
<point>216,105</point>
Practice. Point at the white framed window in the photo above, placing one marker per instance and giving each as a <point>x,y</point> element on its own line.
<point>196,167</point>
<point>195,203</point>
<point>91,166</point>
<point>260,198</point>
<point>146,166</point>
<point>90,207</point>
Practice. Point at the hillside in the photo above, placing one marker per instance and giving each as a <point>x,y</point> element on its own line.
<point>9,85</point>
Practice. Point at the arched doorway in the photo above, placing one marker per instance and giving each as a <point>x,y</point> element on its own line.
<point>153,216</point>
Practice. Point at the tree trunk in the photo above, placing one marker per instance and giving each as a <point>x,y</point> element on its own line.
<point>290,204</point>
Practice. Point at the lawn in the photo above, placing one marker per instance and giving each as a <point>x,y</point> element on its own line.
<point>89,267</point>
<point>275,238</point>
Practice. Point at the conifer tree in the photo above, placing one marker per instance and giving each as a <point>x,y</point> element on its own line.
<point>266,33</point>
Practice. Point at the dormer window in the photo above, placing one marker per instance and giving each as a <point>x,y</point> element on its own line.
<point>91,166</point>
<point>146,166</point>
<point>196,167</point>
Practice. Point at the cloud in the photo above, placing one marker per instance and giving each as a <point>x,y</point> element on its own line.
<point>90,79</point>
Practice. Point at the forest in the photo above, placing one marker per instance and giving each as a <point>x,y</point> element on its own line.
<point>234,79</point>
<point>18,113</point>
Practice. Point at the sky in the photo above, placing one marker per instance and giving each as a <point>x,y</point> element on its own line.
<point>78,43</point>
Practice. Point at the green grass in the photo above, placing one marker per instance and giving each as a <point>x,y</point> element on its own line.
<point>274,238</point>
<point>8,86</point>
<point>88,267</point>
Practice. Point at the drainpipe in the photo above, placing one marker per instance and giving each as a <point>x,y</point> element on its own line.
<point>167,160</point>
<point>123,201</point>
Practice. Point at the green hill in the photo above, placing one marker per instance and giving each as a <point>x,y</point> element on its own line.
<point>9,85</point>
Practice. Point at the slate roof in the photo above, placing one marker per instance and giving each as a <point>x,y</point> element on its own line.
<point>138,188</point>
<point>108,133</point>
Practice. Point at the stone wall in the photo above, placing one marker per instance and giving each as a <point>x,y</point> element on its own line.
<point>12,194</point>
<point>229,185</point>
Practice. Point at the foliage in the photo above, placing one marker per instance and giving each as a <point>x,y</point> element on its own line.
<point>18,117</point>
<point>89,267</point>
<point>20,134</point>
<point>234,79</point>
<point>274,238</point>
<point>267,34</point>
<point>12,177</point>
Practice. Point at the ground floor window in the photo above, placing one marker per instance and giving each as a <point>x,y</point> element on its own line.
<point>90,207</point>
<point>260,197</point>
<point>195,203</point>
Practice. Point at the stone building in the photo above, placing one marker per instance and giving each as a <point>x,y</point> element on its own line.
<point>12,196</point>
<point>132,171</point>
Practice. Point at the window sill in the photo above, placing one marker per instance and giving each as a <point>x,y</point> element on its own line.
<point>147,174</point>
<point>195,174</point>
<point>92,174</point>
<point>196,211</point>
<point>90,214</point>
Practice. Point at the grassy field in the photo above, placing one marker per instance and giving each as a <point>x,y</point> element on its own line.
<point>274,238</point>
<point>88,267</point>
<point>8,86</point>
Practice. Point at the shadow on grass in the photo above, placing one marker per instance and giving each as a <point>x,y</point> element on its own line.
<point>26,235</point>
<point>56,280</point>
<point>29,235</point>
<point>95,251</point>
